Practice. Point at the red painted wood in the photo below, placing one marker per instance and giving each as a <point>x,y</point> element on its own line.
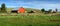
<point>21,10</point>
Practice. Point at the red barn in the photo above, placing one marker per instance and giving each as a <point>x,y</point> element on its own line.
<point>21,10</point>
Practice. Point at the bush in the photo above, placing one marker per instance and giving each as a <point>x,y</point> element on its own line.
<point>43,10</point>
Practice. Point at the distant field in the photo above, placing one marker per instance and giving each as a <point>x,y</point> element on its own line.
<point>29,20</point>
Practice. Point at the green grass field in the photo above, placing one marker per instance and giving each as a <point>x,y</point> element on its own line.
<point>29,20</point>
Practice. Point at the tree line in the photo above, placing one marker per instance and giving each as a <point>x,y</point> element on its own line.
<point>49,11</point>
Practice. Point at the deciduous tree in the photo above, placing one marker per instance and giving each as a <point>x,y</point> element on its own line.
<point>3,8</point>
<point>42,10</point>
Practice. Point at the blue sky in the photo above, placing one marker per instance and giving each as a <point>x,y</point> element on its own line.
<point>38,4</point>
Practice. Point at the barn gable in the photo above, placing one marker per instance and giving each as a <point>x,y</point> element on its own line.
<point>21,10</point>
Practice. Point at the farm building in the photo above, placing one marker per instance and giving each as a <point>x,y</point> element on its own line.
<point>21,10</point>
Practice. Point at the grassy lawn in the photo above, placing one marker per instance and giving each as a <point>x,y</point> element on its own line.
<point>29,20</point>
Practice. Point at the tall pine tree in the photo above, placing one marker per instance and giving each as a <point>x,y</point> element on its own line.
<point>56,10</point>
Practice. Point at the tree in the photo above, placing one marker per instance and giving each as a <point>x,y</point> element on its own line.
<point>43,10</point>
<point>56,9</point>
<point>3,8</point>
<point>50,10</point>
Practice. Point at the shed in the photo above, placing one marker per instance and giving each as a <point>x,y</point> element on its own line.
<point>21,10</point>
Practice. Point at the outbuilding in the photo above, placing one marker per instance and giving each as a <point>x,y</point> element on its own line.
<point>21,10</point>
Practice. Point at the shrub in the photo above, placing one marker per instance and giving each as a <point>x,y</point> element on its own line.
<point>43,10</point>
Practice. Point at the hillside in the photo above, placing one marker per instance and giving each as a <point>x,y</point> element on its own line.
<point>27,9</point>
<point>31,9</point>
